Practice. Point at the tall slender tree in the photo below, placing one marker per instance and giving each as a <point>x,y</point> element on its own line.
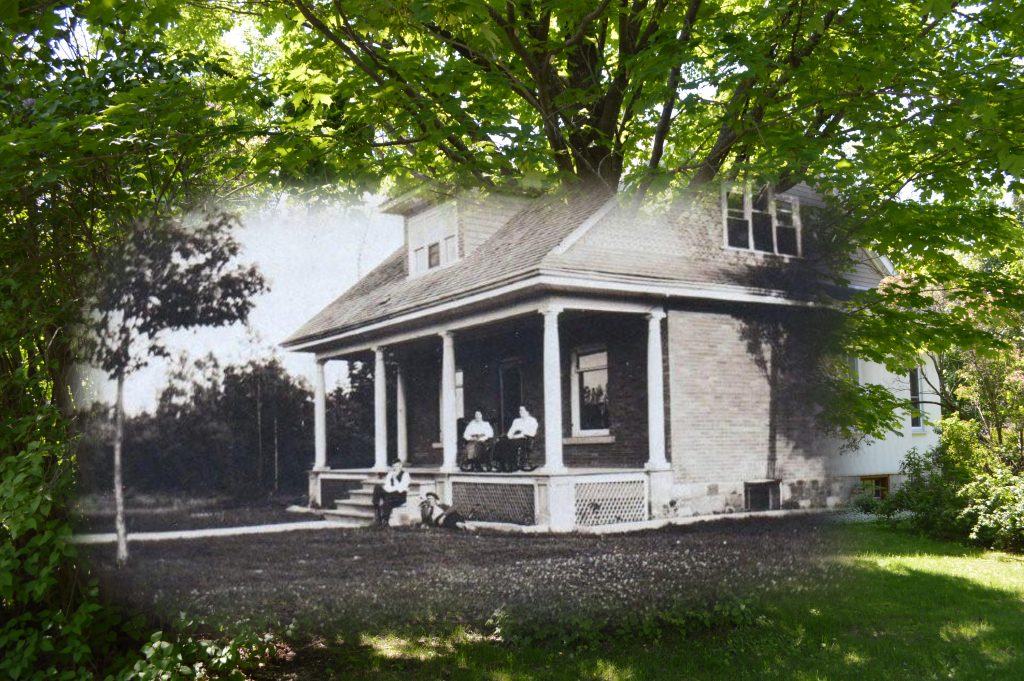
<point>168,275</point>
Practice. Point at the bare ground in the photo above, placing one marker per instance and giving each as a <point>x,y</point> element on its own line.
<point>333,580</point>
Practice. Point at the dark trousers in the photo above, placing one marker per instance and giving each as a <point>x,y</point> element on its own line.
<point>383,502</point>
<point>508,452</point>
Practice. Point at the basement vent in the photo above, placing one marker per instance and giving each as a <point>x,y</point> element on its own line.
<point>761,496</point>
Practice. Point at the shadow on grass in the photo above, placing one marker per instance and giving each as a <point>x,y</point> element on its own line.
<point>865,620</point>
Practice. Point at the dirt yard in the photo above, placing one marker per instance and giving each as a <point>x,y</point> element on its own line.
<point>330,580</point>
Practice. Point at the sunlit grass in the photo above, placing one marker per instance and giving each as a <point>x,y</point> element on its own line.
<point>889,605</point>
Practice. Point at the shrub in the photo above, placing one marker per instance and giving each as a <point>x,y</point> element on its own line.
<point>865,503</point>
<point>962,490</point>
<point>995,510</point>
<point>933,478</point>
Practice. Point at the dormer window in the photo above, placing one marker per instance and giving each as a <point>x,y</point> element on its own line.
<point>765,222</point>
<point>432,237</point>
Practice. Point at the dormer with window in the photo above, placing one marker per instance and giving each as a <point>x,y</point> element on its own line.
<point>759,220</point>
<point>432,238</point>
<point>441,230</point>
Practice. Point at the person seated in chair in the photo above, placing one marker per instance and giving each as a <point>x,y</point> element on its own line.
<point>520,435</point>
<point>390,493</point>
<point>476,435</point>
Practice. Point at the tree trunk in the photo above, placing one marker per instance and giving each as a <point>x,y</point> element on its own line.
<point>276,454</point>
<point>119,524</point>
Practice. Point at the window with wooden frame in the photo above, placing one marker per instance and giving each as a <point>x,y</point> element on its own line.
<point>916,421</point>
<point>765,222</point>
<point>877,486</point>
<point>433,255</point>
<point>589,393</point>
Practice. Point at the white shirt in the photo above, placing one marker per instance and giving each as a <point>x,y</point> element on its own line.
<point>394,483</point>
<point>524,426</point>
<point>478,430</point>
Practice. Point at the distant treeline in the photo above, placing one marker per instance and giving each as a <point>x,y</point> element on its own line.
<point>240,430</point>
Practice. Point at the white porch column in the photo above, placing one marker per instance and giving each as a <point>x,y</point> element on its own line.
<point>320,417</point>
<point>552,393</point>
<point>401,434</point>
<point>656,460</point>
<point>380,413</point>
<point>449,424</point>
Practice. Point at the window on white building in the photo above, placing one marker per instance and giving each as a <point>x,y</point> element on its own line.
<point>915,399</point>
<point>451,249</point>
<point>763,222</point>
<point>590,392</point>
<point>419,261</point>
<point>852,367</point>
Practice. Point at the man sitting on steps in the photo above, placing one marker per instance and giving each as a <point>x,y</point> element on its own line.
<point>390,493</point>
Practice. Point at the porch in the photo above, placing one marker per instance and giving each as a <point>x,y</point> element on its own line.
<point>578,499</point>
<point>591,371</point>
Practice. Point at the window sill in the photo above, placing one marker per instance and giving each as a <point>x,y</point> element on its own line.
<point>918,431</point>
<point>589,440</point>
<point>761,254</point>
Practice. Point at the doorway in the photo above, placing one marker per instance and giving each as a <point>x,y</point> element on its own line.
<point>510,376</point>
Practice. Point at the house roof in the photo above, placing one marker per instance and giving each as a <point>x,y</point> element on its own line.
<point>581,234</point>
<point>515,251</point>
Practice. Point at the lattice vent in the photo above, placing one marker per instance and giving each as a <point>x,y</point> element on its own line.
<point>607,503</point>
<point>494,502</point>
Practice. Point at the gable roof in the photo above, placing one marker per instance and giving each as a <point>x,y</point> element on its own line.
<point>584,234</point>
<point>514,252</point>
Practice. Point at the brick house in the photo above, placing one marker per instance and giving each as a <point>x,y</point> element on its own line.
<point>664,352</point>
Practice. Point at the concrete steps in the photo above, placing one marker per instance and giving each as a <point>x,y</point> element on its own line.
<point>357,507</point>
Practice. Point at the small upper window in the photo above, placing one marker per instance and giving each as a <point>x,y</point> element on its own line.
<point>434,255</point>
<point>915,399</point>
<point>451,249</point>
<point>761,222</point>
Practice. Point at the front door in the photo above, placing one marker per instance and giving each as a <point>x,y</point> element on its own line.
<point>511,378</point>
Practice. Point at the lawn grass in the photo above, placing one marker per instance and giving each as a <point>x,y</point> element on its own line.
<point>892,605</point>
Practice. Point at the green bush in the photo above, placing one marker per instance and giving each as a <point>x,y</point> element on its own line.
<point>995,510</point>
<point>962,490</point>
<point>933,478</point>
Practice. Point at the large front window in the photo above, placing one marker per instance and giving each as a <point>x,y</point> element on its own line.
<point>590,392</point>
<point>761,221</point>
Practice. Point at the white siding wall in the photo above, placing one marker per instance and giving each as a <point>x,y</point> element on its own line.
<point>883,457</point>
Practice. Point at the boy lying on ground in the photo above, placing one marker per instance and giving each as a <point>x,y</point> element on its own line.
<point>435,514</point>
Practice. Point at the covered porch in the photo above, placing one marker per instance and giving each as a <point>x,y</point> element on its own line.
<point>591,371</point>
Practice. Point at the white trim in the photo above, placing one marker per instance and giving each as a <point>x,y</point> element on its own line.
<point>574,282</point>
<point>585,227</point>
<point>589,440</point>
